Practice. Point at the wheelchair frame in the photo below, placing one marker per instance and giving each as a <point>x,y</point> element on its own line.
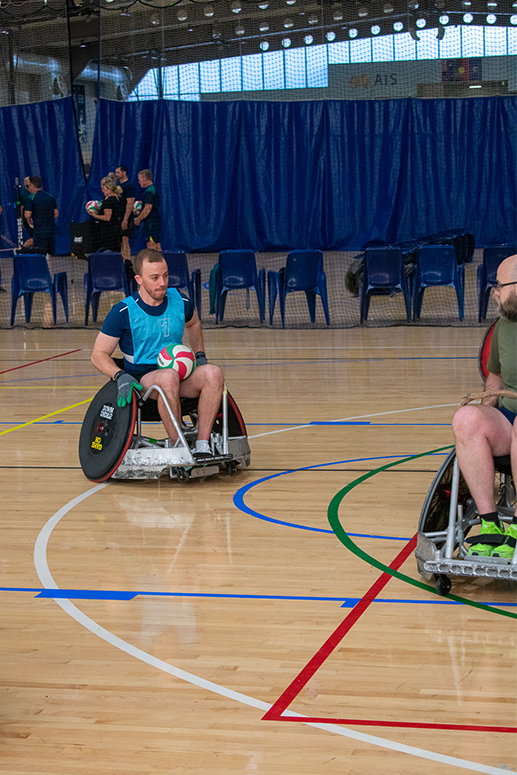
<point>441,549</point>
<point>143,457</point>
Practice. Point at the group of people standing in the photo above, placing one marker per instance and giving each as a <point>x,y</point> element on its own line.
<point>117,215</point>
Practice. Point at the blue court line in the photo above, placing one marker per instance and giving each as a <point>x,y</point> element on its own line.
<point>238,498</point>
<point>95,594</point>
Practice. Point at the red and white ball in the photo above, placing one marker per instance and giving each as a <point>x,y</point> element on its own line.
<point>137,207</point>
<point>178,357</point>
<point>93,206</point>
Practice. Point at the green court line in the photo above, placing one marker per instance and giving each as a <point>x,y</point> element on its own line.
<point>342,535</point>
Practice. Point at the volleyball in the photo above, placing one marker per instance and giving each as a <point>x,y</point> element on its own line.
<point>137,207</point>
<point>178,357</point>
<point>93,206</point>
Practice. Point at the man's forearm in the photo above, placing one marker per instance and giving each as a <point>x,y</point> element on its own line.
<point>195,337</point>
<point>492,382</point>
<point>104,363</point>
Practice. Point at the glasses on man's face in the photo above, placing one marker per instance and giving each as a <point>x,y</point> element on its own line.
<point>498,286</point>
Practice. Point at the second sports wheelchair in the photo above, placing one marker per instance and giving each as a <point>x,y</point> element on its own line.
<point>449,514</point>
<point>111,443</point>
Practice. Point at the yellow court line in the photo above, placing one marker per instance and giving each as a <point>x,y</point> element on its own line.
<point>31,422</point>
<point>49,387</point>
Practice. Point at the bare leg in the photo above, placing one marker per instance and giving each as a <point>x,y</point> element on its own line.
<point>207,383</point>
<point>125,249</point>
<point>169,381</point>
<point>482,432</point>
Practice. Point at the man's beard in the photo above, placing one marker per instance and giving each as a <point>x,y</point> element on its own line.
<point>160,295</point>
<point>508,308</point>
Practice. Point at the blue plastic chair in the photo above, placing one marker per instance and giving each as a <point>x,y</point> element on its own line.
<point>487,273</point>
<point>31,275</point>
<point>304,272</point>
<point>106,272</point>
<point>437,265</point>
<point>179,277</point>
<point>237,269</point>
<point>383,275</point>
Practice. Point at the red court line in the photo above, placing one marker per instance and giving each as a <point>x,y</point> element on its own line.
<point>304,676</point>
<point>32,363</point>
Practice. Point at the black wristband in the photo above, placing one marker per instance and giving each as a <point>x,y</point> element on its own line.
<point>198,354</point>
<point>117,375</point>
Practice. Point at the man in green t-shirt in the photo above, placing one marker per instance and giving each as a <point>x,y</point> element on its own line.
<point>488,430</point>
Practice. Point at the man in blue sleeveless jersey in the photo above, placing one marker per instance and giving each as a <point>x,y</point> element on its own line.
<point>142,325</point>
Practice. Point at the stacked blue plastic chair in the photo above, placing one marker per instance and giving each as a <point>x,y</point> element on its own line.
<point>106,272</point>
<point>487,273</point>
<point>179,277</point>
<point>304,272</point>
<point>237,269</point>
<point>437,265</point>
<point>31,275</point>
<point>383,275</point>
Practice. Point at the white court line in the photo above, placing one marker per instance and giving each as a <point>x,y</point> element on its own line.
<point>357,417</point>
<point>47,580</point>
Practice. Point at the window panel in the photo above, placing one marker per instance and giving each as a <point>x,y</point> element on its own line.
<point>382,49</point>
<point>405,47</point>
<point>472,42</point>
<point>339,53</point>
<point>495,41</point>
<point>427,46</point>
<point>295,77</point>
<point>170,81</point>
<point>252,72</point>
<point>450,46</point>
<point>361,50</point>
<point>512,41</point>
<point>317,70</point>
<point>189,78</point>
<point>274,70</point>
<point>231,74</point>
<point>210,76</point>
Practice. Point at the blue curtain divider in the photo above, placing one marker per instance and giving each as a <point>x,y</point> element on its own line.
<point>40,139</point>
<point>330,175</point>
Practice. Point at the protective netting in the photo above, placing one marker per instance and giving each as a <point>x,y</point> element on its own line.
<point>262,50</point>
<point>439,306</point>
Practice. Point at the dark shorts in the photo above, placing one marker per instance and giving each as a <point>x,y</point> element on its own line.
<point>507,413</point>
<point>152,231</point>
<point>130,231</point>
<point>45,242</point>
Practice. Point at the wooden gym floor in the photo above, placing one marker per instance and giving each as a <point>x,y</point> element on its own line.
<point>226,626</point>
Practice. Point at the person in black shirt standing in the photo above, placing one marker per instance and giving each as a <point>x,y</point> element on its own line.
<point>40,214</point>
<point>150,214</point>
<point>111,214</point>
<point>129,195</point>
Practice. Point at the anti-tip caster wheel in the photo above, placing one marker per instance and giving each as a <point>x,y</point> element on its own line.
<point>231,467</point>
<point>182,475</point>
<point>442,584</point>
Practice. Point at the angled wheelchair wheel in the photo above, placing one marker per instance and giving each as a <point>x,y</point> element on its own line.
<point>434,516</point>
<point>484,350</point>
<point>106,434</point>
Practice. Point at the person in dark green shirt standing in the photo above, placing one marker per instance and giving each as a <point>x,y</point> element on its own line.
<point>150,215</point>
<point>489,429</point>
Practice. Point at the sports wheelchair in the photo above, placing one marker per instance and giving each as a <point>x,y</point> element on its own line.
<point>111,444</point>
<point>449,513</point>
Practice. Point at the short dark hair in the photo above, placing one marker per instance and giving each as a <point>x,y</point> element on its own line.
<point>35,180</point>
<point>147,254</point>
<point>122,167</point>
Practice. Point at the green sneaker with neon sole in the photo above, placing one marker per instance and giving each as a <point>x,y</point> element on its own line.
<point>507,548</point>
<point>493,535</point>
